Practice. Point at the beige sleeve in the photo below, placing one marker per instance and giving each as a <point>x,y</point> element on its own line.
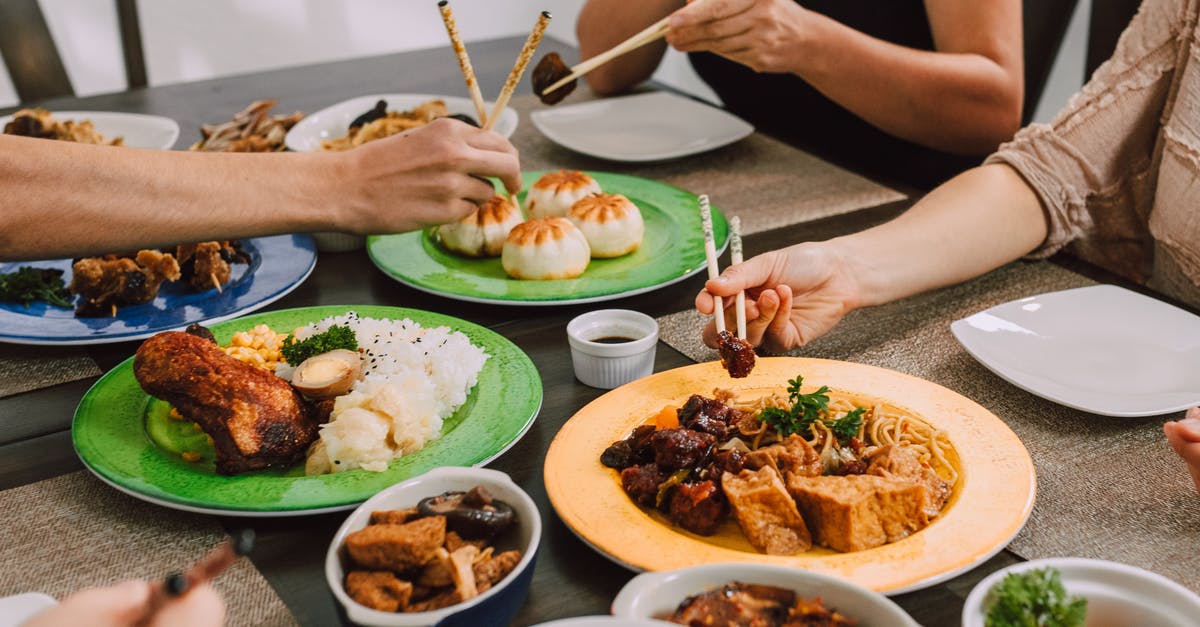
<point>1084,165</point>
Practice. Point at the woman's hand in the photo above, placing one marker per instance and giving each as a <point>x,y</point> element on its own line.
<point>1184,437</point>
<point>430,175</point>
<point>793,296</point>
<point>125,605</point>
<point>764,35</point>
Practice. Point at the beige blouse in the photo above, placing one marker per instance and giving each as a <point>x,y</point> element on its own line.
<point>1118,170</point>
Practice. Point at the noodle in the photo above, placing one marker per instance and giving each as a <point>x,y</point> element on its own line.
<point>391,124</point>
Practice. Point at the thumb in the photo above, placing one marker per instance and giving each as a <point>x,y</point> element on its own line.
<point>748,275</point>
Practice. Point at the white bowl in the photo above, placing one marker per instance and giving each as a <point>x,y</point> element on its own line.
<point>1117,594</point>
<point>495,606</point>
<point>138,130</point>
<point>652,595</point>
<point>606,366</point>
<point>333,121</point>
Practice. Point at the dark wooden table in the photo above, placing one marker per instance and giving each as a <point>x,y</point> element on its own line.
<point>571,579</point>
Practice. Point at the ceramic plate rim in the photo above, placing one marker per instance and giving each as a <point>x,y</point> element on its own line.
<point>308,128</point>
<point>892,569</point>
<point>89,115</point>
<point>185,504</point>
<point>544,121</point>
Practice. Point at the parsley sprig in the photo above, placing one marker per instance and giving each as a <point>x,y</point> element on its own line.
<point>806,409</point>
<point>338,336</point>
<point>28,284</point>
<point>1035,598</point>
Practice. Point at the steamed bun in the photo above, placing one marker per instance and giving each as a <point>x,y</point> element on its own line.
<point>611,223</point>
<point>482,233</point>
<point>546,248</point>
<point>555,192</point>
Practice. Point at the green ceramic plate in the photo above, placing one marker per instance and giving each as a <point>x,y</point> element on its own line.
<point>122,435</point>
<point>672,250</point>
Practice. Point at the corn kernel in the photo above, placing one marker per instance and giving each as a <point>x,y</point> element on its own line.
<point>190,456</point>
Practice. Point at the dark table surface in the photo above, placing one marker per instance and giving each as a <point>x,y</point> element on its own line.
<point>570,579</point>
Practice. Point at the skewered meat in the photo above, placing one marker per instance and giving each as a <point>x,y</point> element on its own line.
<point>206,265</point>
<point>549,71</point>
<point>256,419</point>
<point>737,355</point>
<point>113,281</point>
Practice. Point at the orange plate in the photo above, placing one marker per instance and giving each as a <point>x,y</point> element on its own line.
<point>990,504</point>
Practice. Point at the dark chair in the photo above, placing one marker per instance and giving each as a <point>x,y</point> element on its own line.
<point>1109,19</point>
<point>1045,23</point>
<point>32,59</point>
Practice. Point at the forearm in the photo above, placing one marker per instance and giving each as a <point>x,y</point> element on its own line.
<point>62,199</point>
<point>958,102</point>
<point>605,23</point>
<point>974,223</point>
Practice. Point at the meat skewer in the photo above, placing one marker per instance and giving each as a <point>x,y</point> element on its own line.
<point>464,61</point>
<point>514,77</point>
<point>652,33</point>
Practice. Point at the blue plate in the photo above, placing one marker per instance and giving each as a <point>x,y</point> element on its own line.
<point>278,265</point>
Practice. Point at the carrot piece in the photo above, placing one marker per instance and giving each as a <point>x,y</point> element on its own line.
<point>667,418</point>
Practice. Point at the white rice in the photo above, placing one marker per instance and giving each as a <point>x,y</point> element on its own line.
<point>413,379</point>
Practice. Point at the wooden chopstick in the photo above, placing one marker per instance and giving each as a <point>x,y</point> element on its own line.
<point>735,257</point>
<point>464,61</point>
<point>652,33</point>
<point>514,77</point>
<point>710,253</point>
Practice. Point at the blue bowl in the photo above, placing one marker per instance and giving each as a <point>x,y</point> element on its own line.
<point>499,604</point>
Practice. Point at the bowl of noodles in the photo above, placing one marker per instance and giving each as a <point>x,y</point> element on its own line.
<point>859,472</point>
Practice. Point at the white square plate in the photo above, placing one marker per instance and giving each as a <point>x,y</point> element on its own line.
<point>643,127</point>
<point>138,129</point>
<point>1101,349</point>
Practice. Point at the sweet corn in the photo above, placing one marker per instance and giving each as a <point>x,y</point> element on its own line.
<point>190,456</point>
<point>260,346</point>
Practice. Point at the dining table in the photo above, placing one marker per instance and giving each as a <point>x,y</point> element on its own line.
<point>571,579</point>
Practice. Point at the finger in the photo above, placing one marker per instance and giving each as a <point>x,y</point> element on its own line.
<point>484,163</point>
<point>709,335</point>
<point>475,189</point>
<point>699,12</point>
<point>709,34</point>
<point>705,303</point>
<point>200,607</point>
<point>754,273</point>
<point>778,331</point>
<point>767,308</point>
<point>490,140</point>
<point>122,604</point>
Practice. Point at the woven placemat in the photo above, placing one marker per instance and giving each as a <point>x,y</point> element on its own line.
<point>73,532</point>
<point>1108,488</point>
<point>768,183</point>
<point>25,368</point>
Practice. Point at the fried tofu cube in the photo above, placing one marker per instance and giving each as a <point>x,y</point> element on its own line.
<point>382,591</point>
<point>859,512</point>
<point>490,570</point>
<point>393,516</point>
<point>398,548</point>
<point>766,512</point>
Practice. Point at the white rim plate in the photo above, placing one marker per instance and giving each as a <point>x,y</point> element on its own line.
<point>138,129</point>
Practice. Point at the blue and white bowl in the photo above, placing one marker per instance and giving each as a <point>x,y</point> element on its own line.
<point>497,605</point>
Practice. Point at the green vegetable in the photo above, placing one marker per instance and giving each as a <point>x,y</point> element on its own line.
<point>338,336</point>
<point>805,410</point>
<point>29,284</point>
<point>847,426</point>
<point>1034,598</point>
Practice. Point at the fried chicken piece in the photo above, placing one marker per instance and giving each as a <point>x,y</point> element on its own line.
<point>113,281</point>
<point>382,591</point>
<point>256,419</point>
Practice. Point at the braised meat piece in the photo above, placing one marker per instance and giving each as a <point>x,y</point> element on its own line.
<point>737,604</point>
<point>256,419</point>
<point>793,457</point>
<point>201,332</point>
<point>737,355</point>
<point>721,462</point>
<point>698,507</point>
<point>676,449</point>
<point>549,71</point>
<point>634,449</point>
<point>708,415</point>
<point>113,281</point>
<point>641,483</point>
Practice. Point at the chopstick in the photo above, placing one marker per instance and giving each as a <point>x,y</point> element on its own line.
<point>710,253</point>
<point>514,77</point>
<point>208,567</point>
<point>464,61</point>
<point>735,257</point>
<point>652,33</point>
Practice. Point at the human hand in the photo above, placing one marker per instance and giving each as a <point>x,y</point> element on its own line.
<point>764,35</point>
<point>1184,437</point>
<point>125,605</point>
<point>430,175</point>
<point>793,296</point>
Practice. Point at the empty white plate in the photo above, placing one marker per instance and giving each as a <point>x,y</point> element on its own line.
<point>138,129</point>
<point>18,608</point>
<point>334,121</point>
<point>1101,349</point>
<point>643,127</point>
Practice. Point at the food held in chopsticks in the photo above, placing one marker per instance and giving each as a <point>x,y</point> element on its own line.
<point>737,355</point>
<point>549,71</point>
<point>738,603</point>
<point>40,123</point>
<point>252,129</point>
<point>794,470</point>
<point>554,193</point>
<point>545,249</point>
<point>378,123</point>
<point>437,553</point>
<point>611,223</point>
<point>483,231</point>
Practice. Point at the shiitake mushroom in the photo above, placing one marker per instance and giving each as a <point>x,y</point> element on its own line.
<point>473,514</point>
<point>378,111</point>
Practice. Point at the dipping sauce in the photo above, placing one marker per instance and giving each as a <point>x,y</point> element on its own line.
<point>613,339</point>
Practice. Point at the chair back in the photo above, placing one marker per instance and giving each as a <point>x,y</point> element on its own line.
<point>1045,23</point>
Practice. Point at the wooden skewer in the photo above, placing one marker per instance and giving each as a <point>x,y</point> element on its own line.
<point>217,284</point>
<point>710,253</point>
<point>464,61</point>
<point>514,77</point>
<point>735,257</point>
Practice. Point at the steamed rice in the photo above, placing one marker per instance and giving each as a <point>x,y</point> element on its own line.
<point>413,378</point>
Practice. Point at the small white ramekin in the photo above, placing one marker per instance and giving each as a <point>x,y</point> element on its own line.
<point>607,366</point>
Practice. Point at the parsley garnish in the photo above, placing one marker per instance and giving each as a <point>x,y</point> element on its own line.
<point>28,284</point>
<point>847,426</point>
<point>338,336</point>
<point>1034,598</point>
<point>805,410</point>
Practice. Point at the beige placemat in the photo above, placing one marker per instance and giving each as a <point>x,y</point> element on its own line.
<point>1108,488</point>
<point>25,368</point>
<point>768,183</point>
<point>72,532</point>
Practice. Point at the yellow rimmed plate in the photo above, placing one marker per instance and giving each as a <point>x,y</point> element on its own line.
<point>990,504</point>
